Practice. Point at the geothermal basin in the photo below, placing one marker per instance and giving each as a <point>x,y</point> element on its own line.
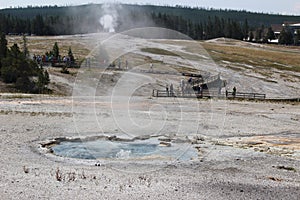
<point>113,148</point>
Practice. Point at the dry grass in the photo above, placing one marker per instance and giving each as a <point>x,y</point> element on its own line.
<point>158,51</point>
<point>279,58</point>
<point>40,45</point>
<point>266,56</point>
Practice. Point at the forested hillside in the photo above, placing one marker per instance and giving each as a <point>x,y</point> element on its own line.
<point>198,23</point>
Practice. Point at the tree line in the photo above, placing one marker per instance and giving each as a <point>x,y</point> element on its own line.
<point>18,69</point>
<point>195,14</point>
<point>206,24</point>
<point>212,28</point>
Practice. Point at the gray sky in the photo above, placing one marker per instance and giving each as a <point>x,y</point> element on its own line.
<point>266,6</point>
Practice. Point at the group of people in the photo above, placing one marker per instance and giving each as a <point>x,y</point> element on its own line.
<point>151,67</point>
<point>186,87</point>
<point>51,59</point>
<point>170,91</point>
<point>233,92</point>
<point>118,64</point>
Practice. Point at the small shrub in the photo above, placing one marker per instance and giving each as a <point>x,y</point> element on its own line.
<point>25,169</point>
<point>58,175</point>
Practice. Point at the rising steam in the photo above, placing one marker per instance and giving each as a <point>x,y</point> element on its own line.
<point>107,22</point>
<point>109,18</point>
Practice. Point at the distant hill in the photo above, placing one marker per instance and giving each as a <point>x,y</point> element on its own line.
<point>199,23</point>
<point>194,14</point>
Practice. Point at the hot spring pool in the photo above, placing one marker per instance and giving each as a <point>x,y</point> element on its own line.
<point>148,149</point>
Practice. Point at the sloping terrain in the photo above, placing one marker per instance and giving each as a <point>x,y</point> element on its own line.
<point>270,69</point>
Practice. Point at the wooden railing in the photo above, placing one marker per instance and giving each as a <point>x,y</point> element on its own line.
<point>244,95</point>
<point>208,94</point>
<point>187,94</point>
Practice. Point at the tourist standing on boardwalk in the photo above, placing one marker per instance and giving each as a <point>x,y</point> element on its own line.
<point>167,89</point>
<point>151,67</point>
<point>234,91</point>
<point>171,90</point>
<point>182,85</point>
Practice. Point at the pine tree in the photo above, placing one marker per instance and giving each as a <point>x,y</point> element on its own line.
<point>251,36</point>
<point>270,34</point>
<point>15,52</point>
<point>209,29</point>
<point>43,80</point>
<point>297,37</point>
<point>228,30</point>
<point>246,30</point>
<point>46,77</point>
<point>55,50</point>
<point>38,25</point>
<point>22,72</point>
<point>285,37</point>
<point>218,29</point>
<point>10,70</point>
<point>258,35</point>
<point>236,31</point>
<point>25,48</point>
<point>3,46</point>
<point>71,56</point>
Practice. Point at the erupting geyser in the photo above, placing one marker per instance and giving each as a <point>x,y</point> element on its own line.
<point>109,17</point>
<point>107,22</point>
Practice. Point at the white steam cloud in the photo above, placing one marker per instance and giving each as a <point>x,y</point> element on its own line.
<point>107,22</point>
<point>109,18</point>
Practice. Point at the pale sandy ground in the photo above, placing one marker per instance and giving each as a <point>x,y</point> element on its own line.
<point>247,150</point>
<point>222,171</point>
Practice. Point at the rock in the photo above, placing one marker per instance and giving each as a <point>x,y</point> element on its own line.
<point>142,137</point>
<point>25,169</point>
<point>165,139</point>
<point>165,144</point>
<point>178,140</point>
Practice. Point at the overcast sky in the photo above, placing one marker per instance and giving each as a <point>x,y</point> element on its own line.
<point>266,6</point>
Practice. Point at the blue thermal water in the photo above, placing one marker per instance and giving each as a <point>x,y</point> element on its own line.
<point>124,150</point>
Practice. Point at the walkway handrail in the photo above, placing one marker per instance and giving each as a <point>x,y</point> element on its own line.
<point>247,95</point>
<point>207,93</point>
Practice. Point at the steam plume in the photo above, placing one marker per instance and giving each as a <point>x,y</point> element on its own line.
<point>109,18</point>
